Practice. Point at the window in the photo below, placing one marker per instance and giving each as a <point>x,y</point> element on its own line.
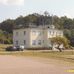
<point>24,32</point>
<point>39,33</point>
<point>36,32</point>
<point>33,32</point>
<point>53,32</point>
<point>50,32</point>
<point>24,42</point>
<point>16,42</point>
<point>16,33</point>
<point>34,42</point>
<point>39,42</point>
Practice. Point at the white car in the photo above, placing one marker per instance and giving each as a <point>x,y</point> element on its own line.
<point>18,48</point>
<point>21,47</point>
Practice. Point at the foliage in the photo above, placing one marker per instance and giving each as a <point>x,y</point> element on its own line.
<point>60,40</point>
<point>64,23</point>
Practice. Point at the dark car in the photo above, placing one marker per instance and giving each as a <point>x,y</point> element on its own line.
<point>10,48</point>
<point>17,48</point>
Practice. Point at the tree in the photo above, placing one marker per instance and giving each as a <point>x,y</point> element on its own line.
<point>19,20</point>
<point>7,25</point>
<point>2,37</point>
<point>64,23</point>
<point>59,41</point>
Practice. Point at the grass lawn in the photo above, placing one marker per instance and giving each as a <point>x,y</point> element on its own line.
<point>65,55</point>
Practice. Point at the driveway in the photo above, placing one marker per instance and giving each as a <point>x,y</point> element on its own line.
<point>29,65</point>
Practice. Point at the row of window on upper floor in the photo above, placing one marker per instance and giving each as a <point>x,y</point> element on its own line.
<point>55,33</point>
<point>18,33</point>
<point>33,32</point>
<point>41,32</point>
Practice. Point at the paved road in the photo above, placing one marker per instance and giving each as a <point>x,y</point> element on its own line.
<point>28,65</point>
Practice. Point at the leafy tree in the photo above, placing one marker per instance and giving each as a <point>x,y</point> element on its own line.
<point>67,33</point>
<point>19,20</point>
<point>2,37</point>
<point>64,23</point>
<point>59,41</point>
<point>7,25</point>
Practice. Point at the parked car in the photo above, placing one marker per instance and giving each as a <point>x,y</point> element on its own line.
<point>15,48</point>
<point>18,48</point>
<point>10,48</point>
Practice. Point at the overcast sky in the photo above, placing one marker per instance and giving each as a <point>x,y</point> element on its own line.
<point>15,8</point>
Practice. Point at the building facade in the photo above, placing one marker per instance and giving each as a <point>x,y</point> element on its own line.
<point>35,37</point>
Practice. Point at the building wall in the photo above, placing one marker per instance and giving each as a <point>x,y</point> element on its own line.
<point>35,37</point>
<point>20,37</point>
<point>53,33</point>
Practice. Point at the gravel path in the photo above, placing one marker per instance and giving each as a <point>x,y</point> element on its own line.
<point>28,65</point>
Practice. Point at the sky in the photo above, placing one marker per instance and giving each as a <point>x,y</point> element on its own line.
<point>11,9</point>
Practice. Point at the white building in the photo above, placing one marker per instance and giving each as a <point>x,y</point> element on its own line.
<point>35,37</point>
